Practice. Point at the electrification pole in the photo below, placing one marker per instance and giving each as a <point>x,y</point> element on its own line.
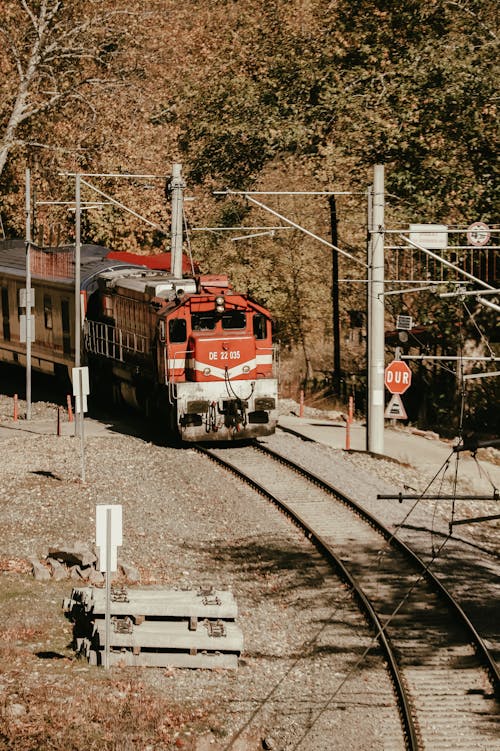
<point>29,300</point>
<point>335,295</point>
<point>376,344</point>
<point>78,248</point>
<point>78,315</point>
<point>177,185</point>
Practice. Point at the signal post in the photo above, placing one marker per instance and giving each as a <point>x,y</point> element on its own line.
<point>397,379</point>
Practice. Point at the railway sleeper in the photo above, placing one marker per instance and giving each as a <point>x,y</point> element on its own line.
<point>157,627</point>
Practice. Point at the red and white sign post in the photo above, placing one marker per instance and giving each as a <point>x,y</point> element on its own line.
<point>397,379</point>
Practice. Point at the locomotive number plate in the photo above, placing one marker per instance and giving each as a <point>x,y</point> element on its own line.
<point>235,355</point>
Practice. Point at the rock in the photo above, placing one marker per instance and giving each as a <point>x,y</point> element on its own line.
<point>40,572</point>
<point>76,555</point>
<point>96,578</point>
<point>74,573</point>
<point>16,710</point>
<point>58,571</point>
<point>130,572</point>
<point>268,743</point>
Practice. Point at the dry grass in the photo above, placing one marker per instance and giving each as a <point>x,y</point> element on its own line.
<point>50,700</point>
<point>85,711</point>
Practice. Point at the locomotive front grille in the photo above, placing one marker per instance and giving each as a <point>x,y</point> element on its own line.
<point>264,404</point>
<point>199,407</point>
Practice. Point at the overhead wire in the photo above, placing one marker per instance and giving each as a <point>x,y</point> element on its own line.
<point>362,657</point>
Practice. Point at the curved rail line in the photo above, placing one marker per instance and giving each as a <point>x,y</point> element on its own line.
<point>483,653</point>
<point>411,731</point>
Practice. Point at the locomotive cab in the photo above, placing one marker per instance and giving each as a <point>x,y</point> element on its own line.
<point>220,357</point>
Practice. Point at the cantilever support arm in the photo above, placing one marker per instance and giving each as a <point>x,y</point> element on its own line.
<point>495,496</point>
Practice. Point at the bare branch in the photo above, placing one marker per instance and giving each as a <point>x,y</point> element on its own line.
<point>58,54</point>
<point>29,12</point>
<point>479,21</point>
<point>48,147</point>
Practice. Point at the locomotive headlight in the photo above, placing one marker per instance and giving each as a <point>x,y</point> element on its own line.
<point>207,372</point>
<point>219,304</point>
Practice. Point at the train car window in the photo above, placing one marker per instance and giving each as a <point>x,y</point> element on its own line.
<point>259,326</point>
<point>5,314</point>
<point>234,319</point>
<point>47,311</point>
<point>65,327</point>
<point>203,321</point>
<point>177,331</point>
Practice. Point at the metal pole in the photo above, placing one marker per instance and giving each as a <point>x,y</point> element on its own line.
<point>335,295</point>
<point>108,588</point>
<point>489,304</point>
<point>376,323</point>
<point>446,263</point>
<point>369,225</point>
<point>78,216</point>
<point>177,186</point>
<point>81,419</point>
<point>28,294</point>
<point>78,247</point>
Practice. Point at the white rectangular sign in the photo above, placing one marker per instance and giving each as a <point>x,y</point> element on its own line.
<point>81,388</point>
<point>101,533</point>
<point>26,330</point>
<point>430,236</point>
<point>24,299</point>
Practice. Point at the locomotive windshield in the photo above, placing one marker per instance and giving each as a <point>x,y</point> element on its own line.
<point>233,319</point>
<point>259,326</point>
<point>177,330</point>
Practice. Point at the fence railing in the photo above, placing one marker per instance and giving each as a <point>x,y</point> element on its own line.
<point>109,341</point>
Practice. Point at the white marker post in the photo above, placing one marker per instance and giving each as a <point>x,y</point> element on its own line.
<point>108,536</point>
<point>81,390</point>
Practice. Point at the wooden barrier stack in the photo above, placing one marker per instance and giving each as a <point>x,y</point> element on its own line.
<point>157,627</point>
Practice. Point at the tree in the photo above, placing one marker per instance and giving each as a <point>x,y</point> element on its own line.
<point>410,84</point>
<point>57,56</point>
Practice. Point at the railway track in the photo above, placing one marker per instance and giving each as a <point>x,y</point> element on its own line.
<point>443,675</point>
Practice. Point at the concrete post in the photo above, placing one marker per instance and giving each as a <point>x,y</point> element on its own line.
<point>376,317</point>
<point>177,186</point>
<point>78,325</point>
<point>28,294</point>
<point>78,247</point>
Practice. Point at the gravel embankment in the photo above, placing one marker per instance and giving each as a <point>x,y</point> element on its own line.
<point>187,523</point>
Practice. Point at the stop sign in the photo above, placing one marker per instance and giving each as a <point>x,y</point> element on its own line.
<point>397,377</point>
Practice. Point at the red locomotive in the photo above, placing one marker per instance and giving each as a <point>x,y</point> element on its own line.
<point>185,348</point>
<point>190,348</point>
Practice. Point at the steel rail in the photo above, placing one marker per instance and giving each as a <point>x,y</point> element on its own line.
<point>404,704</point>
<point>481,649</point>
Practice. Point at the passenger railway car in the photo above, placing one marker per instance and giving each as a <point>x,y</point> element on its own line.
<point>186,349</point>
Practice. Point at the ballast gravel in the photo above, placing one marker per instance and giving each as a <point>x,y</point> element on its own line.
<point>186,523</point>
